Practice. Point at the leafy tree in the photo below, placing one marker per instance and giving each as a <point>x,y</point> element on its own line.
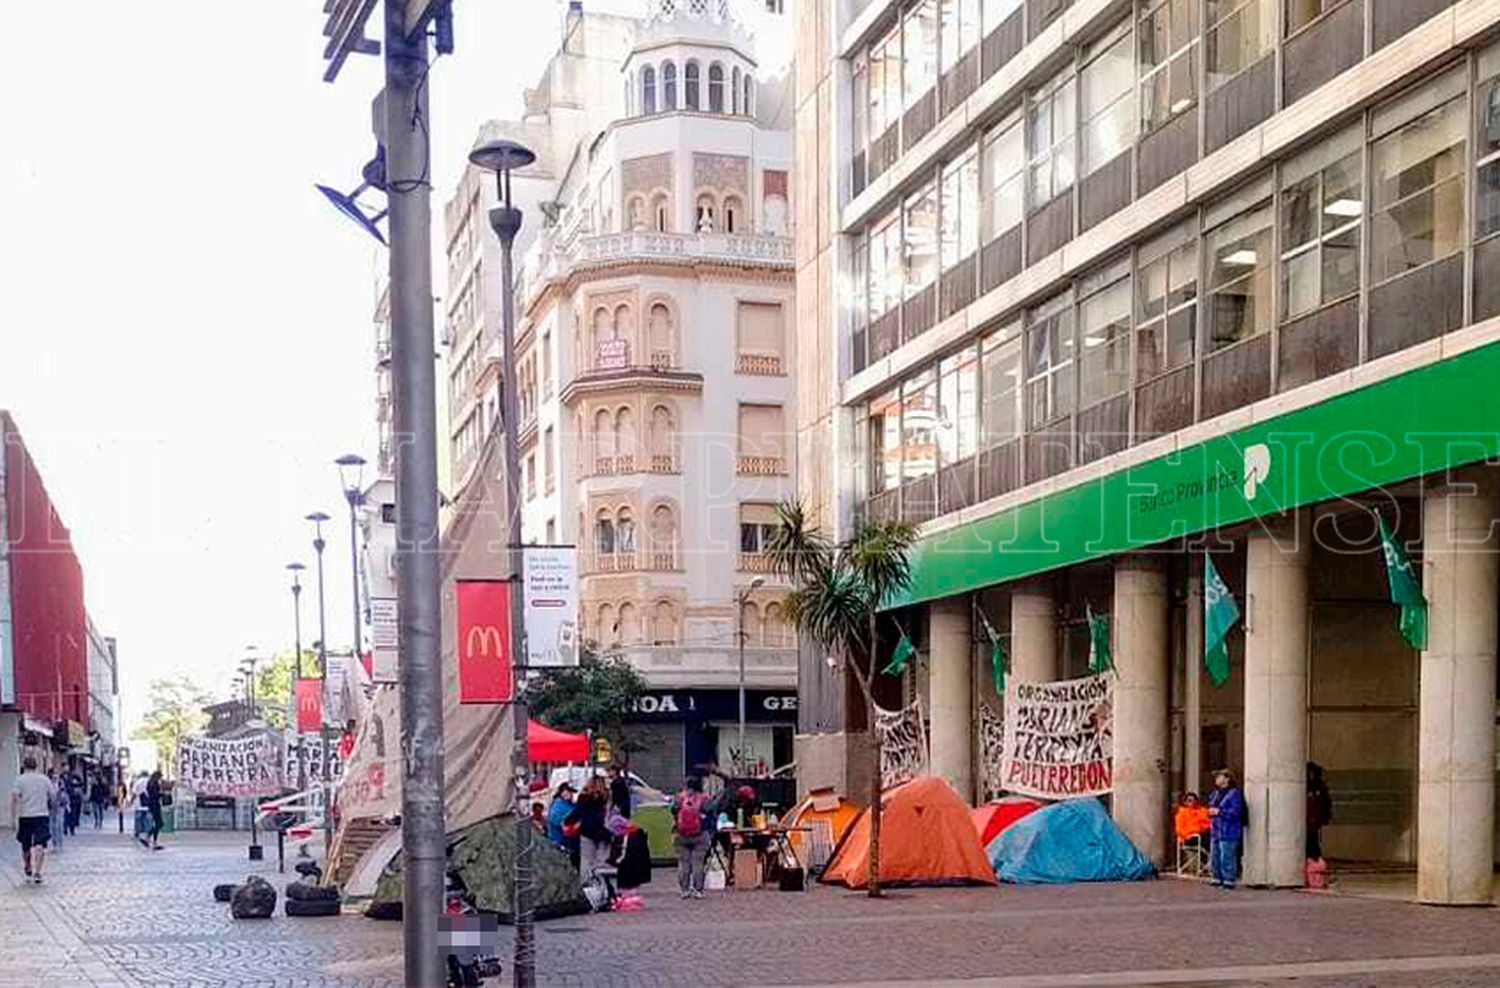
<point>596,695</point>
<point>174,708</point>
<point>835,601</point>
<point>273,685</point>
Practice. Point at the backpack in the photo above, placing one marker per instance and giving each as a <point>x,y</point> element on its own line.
<point>690,815</point>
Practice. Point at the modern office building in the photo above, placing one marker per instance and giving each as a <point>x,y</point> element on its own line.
<point>1093,291</point>
<point>656,377</point>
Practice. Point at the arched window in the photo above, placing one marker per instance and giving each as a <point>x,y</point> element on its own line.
<point>624,327</point>
<point>625,531</point>
<point>734,215</point>
<point>669,86</point>
<point>635,211</point>
<point>624,441</point>
<point>648,90</point>
<point>749,84</point>
<point>603,333</point>
<point>734,89</point>
<point>716,88</point>
<point>661,213</point>
<point>663,437</point>
<point>663,537</point>
<point>604,534</point>
<point>707,217</point>
<point>664,624</point>
<point>775,624</point>
<point>754,633</point>
<point>609,628</point>
<point>690,85</point>
<point>659,336</point>
<point>630,625</point>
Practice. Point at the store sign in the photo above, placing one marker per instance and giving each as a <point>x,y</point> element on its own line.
<point>551,581</point>
<point>721,705</point>
<point>309,705</point>
<point>384,667</point>
<point>1059,737</point>
<point>1439,416</point>
<point>483,641</point>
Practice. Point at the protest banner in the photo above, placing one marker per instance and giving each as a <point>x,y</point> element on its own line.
<point>1059,737</point>
<point>249,766</point>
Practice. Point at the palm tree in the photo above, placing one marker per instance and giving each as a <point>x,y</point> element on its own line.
<point>836,597</point>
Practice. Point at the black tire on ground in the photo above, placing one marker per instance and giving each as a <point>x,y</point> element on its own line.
<point>223,892</point>
<point>308,892</point>
<point>384,910</point>
<point>304,907</point>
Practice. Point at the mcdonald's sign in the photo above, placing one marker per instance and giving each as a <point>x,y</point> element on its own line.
<point>309,706</point>
<point>483,641</point>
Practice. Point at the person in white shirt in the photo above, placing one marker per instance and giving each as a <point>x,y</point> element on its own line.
<point>31,802</point>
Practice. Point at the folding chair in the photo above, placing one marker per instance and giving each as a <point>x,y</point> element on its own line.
<point>1192,857</point>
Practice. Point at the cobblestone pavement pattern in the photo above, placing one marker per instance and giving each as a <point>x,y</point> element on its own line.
<point>113,915</point>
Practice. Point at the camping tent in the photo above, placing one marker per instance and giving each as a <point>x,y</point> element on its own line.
<point>926,838</point>
<point>829,816</point>
<point>1072,841</point>
<point>481,855</point>
<point>993,817</point>
<point>543,744</point>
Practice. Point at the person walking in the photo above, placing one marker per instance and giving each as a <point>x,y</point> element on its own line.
<point>1226,810</point>
<point>74,810</point>
<point>153,808</point>
<point>691,838</point>
<point>55,810</point>
<point>31,801</point>
<point>619,791</point>
<point>589,813</point>
<point>1319,810</point>
<point>98,799</point>
<point>138,804</point>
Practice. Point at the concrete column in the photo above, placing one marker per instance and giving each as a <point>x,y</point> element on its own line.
<point>950,692</point>
<point>1033,632</point>
<point>1192,683</point>
<point>1142,656</point>
<point>1276,636</point>
<point>1456,760</point>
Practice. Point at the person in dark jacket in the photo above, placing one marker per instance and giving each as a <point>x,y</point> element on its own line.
<point>589,813</point>
<point>98,800</point>
<point>633,863</point>
<point>1319,810</point>
<point>153,807</point>
<point>1226,811</point>
<point>619,791</point>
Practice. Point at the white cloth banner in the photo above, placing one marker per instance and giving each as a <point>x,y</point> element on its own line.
<point>249,766</point>
<point>1059,737</point>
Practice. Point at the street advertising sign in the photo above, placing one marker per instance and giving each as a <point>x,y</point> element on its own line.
<point>483,641</point>
<point>384,667</point>
<point>551,581</point>
<point>1059,737</point>
<point>249,766</point>
<point>612,355</point>
<point>309,705</point>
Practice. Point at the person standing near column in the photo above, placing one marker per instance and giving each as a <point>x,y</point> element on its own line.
<point>1226,810</point>
<point>31,802</point>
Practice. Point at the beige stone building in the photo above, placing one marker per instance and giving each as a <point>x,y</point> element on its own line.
<point>1095,291</point>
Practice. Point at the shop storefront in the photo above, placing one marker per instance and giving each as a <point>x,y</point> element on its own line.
<point>674,733</point>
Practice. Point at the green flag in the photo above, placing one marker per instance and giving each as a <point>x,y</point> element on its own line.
<point>1099,657</point>
<point>998,659</point>
<point>1406,590</point>
<point>904,651</point>
<point>1220,612</point>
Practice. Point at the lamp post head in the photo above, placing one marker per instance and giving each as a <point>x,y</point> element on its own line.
<point>351,472</point>
<point>501,156</point>
<point>757,582</point>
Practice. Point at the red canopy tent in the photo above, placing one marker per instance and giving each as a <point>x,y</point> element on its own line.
<point>543,744</point>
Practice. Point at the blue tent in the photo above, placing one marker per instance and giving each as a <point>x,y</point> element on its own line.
<point>1072,841</point>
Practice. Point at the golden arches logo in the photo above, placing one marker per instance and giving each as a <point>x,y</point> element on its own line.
<point>483,638</point>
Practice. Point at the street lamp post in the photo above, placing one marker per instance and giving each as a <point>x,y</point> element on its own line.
<point>318,518</point>
<point>256,852</point>
<point>502,158</point>
<point>351,472</point>
<point>296,569</point>
<point>740,599</point>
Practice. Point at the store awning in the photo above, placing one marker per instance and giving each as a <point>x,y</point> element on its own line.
<point>543,744</point>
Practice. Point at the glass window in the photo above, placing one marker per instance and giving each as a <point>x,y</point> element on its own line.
<point>885,265</point>
<point>1104,351</point>
<point>921,50</point>
<point>716,88</point>
<point>1001,370</point>
<point>885,84</point>
<point>648,90</point>
<point>960,209</point>
<point>885,441</point>
<point>1241,33</point>
<point>958,405</point>
<point>859,288</point>
<point>669,86</point>
<point>1418,188</point>
<point>920,248</point>
<point>1168,38</point>
<point>1300,13</point>
<point>1167,310</point>
<point>1320,218</point>
<point>861,102</point>
<point>1106,84</point>
<point>1004,171</point>
<point>1050,118</point>
<point>960,31</point>
<point>1239,283</point>
<point>690,83</point>
<point>919,408</point>
<point>1049,364</point>
<point>996,12</point>
<point>1487,131</point>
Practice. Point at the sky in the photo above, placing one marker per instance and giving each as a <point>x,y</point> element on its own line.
<point>186,339</point>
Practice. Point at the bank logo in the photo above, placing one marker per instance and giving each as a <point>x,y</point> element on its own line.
<point>1257,468</point>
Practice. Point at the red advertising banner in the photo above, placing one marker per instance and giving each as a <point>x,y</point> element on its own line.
<point>484,656</point>
<point>309,706</point>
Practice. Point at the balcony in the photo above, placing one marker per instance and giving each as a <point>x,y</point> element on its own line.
<point>759,364</point>
<point>613,562</point>
<point>663,463</point>
<point>760,466</point>
<point>756,562</point>
<point>634,561</point>
<point>614,466</point>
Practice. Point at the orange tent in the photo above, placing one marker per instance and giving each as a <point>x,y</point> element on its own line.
<point>991,818</point>
<point>829,816</point>
<point>926,838</point>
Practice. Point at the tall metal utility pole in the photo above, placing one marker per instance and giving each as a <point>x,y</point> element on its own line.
<point>296,570</point>
<point>419,576</point>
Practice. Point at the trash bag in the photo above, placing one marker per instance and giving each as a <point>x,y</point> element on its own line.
<point>308,892</point>
<point>256,899</point>
<point>313,907</point>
